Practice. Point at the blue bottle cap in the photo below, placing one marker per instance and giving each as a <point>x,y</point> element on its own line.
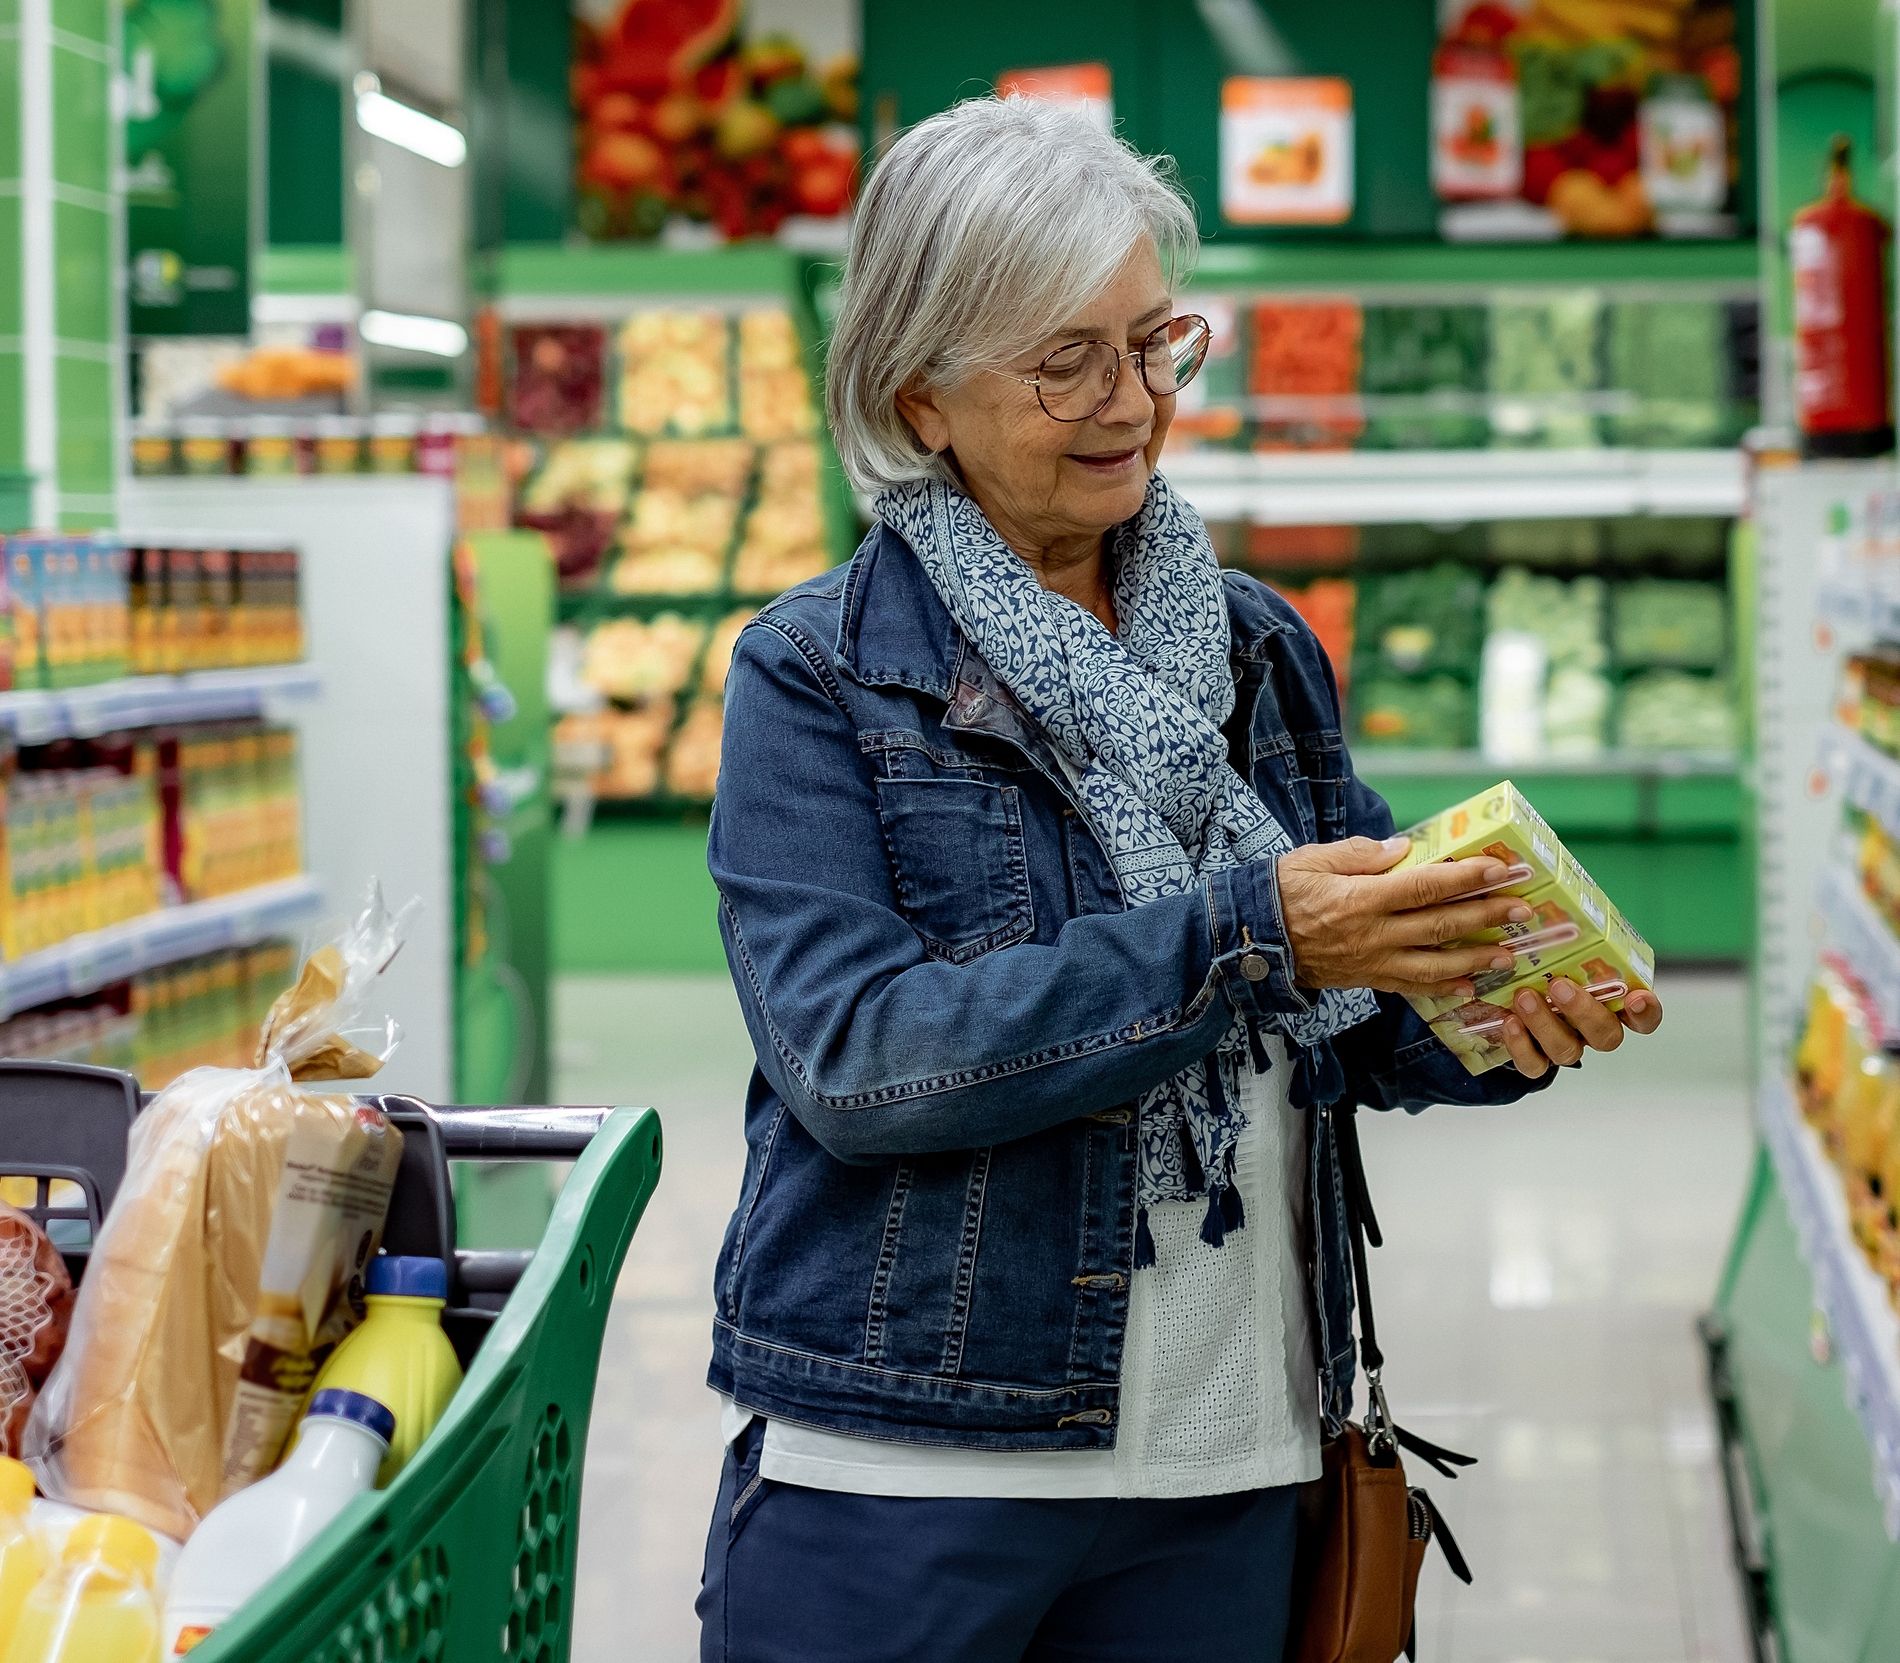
<point>336,1404</point>
<point>407,1276</point>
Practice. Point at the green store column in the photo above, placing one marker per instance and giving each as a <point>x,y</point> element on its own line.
<point>61,237</point>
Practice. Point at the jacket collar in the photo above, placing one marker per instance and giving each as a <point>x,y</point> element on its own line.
<point>894,630</point>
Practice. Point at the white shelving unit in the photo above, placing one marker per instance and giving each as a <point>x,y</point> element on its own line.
<point>35,718</point>
<point>1454,486</point>
<point>85,963</point>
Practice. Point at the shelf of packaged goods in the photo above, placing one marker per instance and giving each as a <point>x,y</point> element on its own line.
<point>1870,779</point>
<point>1857,931</point>
<point>1860,609</point>
<point>35,717</point>
<point>98,958</point>
<point>1444,487</point>
<point>1862,1330</point>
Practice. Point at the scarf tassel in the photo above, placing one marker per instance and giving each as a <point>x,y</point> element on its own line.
<point>1144,1241</point>
<point>1262,1062</point>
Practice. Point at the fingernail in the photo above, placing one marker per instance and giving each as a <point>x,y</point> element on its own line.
<point>1513,1027</point>
<point>1520,915</point>
<point>1503,961</point>
<point>1393,845</point>
<point>1464,990</point>
<point>1495,873</point>
<point>1563,991</point>
<point>1637,1002</point>
<point>1527,1003</point>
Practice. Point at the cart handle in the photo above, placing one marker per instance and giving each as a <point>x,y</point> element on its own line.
<point>511,1132</point>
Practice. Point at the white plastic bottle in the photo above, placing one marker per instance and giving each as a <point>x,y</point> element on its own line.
<point>249,1537</point>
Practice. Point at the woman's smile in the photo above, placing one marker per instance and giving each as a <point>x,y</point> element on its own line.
<point>1109,464</point>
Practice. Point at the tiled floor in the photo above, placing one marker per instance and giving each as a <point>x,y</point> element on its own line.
<point>1536,1301</point>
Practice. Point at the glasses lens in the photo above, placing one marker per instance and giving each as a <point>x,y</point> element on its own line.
<point>1076,381</point>
<point>1172,356</point>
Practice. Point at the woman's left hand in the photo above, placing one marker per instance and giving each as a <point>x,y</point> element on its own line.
<point>1542,1033</point>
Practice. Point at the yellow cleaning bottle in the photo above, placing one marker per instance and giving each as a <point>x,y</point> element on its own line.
<point>22,1554</point>
<point>96,1605</point>
<point>399,1355</point>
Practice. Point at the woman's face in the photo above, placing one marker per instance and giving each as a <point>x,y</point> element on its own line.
<point>1041,481</point>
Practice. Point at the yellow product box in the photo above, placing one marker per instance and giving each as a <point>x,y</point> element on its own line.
<point>1575,931</point>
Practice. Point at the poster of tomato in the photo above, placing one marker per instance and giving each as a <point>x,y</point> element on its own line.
<point>1586,118</point>
<point>690,120</point>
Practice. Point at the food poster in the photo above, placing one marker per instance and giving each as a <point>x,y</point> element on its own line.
<point>1586,118</point>
<point>697,113</point>
<point>1286,153</point>
<point>1084,87</point>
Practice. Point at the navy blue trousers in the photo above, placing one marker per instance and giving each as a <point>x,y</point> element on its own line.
<point>814,1576</point>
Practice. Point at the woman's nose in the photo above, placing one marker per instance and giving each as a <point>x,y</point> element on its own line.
<point>1130,404</point>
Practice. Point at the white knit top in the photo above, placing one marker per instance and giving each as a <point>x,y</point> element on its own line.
<point>1219,1388</point>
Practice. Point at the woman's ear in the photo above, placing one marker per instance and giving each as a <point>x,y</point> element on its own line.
<point>917,404</point>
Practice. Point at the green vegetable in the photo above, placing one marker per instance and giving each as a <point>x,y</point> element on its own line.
<point>1667,622</point>
<point>1667,710</point>
<point>1438,713</point>
<point>798,101</point>
<point>1543,364</point>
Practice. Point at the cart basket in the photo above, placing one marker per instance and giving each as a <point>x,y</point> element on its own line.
<point>470,1553</point>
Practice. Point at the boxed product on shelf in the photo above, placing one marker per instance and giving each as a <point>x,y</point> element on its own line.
<point>1576,931</point>
<point>233,813</point>
<point>214,607</point>
<point>81,840</point>
<point>68,604</point>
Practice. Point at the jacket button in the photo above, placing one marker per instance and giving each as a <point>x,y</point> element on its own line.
<point>1254,968</point>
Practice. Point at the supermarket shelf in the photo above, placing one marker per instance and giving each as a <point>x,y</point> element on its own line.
<point>1860,933</point>
<point>1607,765</point>
<point>1862,1328</point>
<point>34,717</point>
<point>1337,266</point>
<point>1439,487</point>
<point>85,963</point>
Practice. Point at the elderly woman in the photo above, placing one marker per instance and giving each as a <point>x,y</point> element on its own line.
<point>1062,927</point>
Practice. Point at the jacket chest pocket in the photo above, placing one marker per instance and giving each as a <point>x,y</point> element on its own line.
<point>1303,780</point>
<point>958,861</point>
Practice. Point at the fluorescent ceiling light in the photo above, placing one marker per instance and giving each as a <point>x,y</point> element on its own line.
<point>411,333</point>
<point>403,124</point>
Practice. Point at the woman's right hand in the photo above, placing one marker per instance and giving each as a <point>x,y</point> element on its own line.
<point>1352,922</point>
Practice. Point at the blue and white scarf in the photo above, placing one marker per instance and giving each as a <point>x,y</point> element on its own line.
<point>1137,718</point>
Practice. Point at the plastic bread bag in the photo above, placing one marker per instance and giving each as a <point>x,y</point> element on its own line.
<point>230,1262</point>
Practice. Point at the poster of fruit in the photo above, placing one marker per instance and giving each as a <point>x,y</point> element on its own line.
<point>1083,87</point>
<point>1286,150</point>
<point>686,117</point>
<point>1586,118</point>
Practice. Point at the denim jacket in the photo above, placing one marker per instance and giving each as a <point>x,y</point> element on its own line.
<point>954,1015</point>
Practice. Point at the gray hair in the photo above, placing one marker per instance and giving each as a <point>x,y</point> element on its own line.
<point>980,230</point>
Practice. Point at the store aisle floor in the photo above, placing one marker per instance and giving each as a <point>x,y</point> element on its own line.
<point>1544,1268</point>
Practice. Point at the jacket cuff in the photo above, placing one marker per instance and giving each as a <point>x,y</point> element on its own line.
<point>1251,955</point>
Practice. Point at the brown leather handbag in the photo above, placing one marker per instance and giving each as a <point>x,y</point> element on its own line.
<point>1363,1528</point>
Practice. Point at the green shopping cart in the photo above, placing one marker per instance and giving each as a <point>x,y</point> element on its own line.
<point>470,1553</point>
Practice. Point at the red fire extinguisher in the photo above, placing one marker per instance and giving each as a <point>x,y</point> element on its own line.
<point>1843,387</point>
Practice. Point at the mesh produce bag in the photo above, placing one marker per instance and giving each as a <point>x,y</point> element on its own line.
<point>230,1263</point>
<point>36,1303</point>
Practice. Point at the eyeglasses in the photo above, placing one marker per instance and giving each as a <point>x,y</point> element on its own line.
<point>1076,381</point>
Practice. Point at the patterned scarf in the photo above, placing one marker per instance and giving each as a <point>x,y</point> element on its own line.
<point>1138,717</point>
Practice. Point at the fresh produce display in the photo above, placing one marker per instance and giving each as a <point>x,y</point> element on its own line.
<point>637,660</point>
<point>1328,605</point>
<point>1420,622</point>
<point>681,117</point>
<point>559,377</point>
<point>675,373</point>
<point>1622,114</point>
<point>1575,932</point>
<point>1543,365</point>
<point>1670,710</point>
<point>1566,618</point>
<point>1671,623</point>
<point>692,762</point>
<point>1429,713</point>
<point>1521,368</point>
<point>775,399</point>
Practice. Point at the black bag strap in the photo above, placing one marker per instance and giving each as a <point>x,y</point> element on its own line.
<point>1383,1435</point>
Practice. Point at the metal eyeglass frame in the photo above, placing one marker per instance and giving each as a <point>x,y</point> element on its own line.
<point>1139,354</point>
